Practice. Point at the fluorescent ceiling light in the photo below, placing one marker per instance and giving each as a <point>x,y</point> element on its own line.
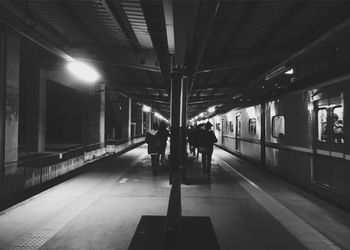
<point>146,108</point>
<point>211,109</point>
<point>289,72</point>
<point>159,116</point>
<point>83,71</point>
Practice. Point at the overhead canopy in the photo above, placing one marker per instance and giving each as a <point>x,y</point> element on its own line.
<point>234,52</point>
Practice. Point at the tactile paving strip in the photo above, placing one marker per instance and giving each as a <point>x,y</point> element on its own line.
<point>35,240</point>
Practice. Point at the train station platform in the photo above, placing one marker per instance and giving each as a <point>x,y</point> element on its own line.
<point>101,208</point>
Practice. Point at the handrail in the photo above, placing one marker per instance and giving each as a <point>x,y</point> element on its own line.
<point>42,169</point>
<point>57,157</point>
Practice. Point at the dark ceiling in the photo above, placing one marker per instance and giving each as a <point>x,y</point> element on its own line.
<point>233,52</point>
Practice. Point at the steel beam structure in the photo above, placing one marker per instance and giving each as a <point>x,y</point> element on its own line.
<point>208,16</point>
<point>154,15</point>
<point>321,40</point>
<point>2,106</point>
<point>119,18</point>
<point>14,22</point>
<point>177,156</point>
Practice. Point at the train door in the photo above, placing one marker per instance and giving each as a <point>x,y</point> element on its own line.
<point>133,129</point>
<point>222,130</point>
<point>238,132</point>
<point>329,143</point>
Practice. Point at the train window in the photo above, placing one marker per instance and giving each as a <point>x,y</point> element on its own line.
<point>226,127</point>
<point>252,126</point>
<point>322,125</point>
<point>337,113</point>
<point>330,126</point>
<point>231,127</point>
<point>278,128</point>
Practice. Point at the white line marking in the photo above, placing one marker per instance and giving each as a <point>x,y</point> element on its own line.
<point>124,180</point>
<point>308,236</point>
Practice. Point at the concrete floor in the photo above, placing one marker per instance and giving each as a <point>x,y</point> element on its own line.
<point>101,208</point>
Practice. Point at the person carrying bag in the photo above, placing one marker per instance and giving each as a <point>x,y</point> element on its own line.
<point>154,147</point>
<point>206,147</point>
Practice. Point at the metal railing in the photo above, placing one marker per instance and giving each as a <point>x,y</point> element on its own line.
<point>35,171</point>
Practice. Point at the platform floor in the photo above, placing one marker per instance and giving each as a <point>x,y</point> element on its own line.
<point>100,209</point>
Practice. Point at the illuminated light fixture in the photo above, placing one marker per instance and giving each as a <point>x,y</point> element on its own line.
<point>159,116</point>
<point>211,109</point>
<point>289,72</point>
<point>146,108</point>
<point>201,115</point>
<point>83,71</point>
<point>69,58</point>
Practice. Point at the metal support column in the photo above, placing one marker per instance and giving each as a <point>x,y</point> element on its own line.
<point>262,136</point>
<point>129,118</point>
<point>177,149</point>
<point>2,106</point>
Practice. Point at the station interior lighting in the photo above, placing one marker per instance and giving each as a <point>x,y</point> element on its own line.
<point>211,109</point>
<point>159,116</point>
<point>83,71</point>
<point>146,108</point>
<point>289,72</point>
<point>201,115</point>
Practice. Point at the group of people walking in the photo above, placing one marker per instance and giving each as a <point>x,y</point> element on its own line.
<point>201,140</point>
<point>156,139</point>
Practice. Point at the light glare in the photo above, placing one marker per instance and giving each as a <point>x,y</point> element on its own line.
<point>146,108</point>
<point>251,112</point>
<point>83,71</point>
<point>289,72</point>
<point>159,116</point>
<point>211,109</point>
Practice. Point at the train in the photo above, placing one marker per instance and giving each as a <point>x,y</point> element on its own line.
<point>301,136</point>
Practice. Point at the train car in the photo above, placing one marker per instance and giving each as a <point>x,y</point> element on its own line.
<point>241,132</point>
<point>305,139</point>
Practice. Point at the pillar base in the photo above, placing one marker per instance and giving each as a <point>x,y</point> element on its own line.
<point>197,233</point>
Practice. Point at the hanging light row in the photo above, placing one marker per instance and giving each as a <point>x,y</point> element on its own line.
<point>148,109</point>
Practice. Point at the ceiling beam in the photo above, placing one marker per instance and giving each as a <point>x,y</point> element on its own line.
<point>185,18</point>
<point>152,98</point>
<point>79,23</point>
<point>217,86</point>
<point>228,66</point>
<point>162,102</point>
<point>206,19</point>
<point>25,12</point>
<point>154,15</point>
<point>14,22</point>
<point>131,85</point>
<point>116,57</point>
<point>198,100</point>
<point>321,40</point>
<point>116,12</point>
<point>56,44</point>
